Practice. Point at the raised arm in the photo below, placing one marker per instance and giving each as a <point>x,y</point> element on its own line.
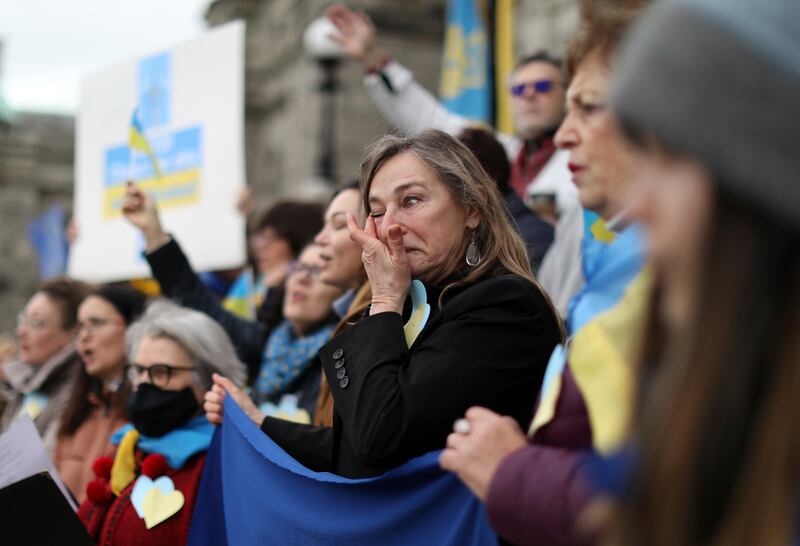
<point>402,101</point>
<point>180,283</point>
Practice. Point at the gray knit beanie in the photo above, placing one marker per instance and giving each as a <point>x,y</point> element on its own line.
<point>719,81</point>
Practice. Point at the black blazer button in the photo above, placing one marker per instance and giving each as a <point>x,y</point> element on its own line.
<point>341,373</point>
<point>337,354</point>
<point>343,382</point>
<point>339,363</point>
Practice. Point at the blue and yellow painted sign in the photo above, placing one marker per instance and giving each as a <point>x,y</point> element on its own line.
<point>154,90</point>
<point>180,158</point>
<point>165,163</point>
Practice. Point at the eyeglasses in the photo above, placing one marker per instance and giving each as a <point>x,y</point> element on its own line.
<point>540,86</point>
<point>159,374</point>
<point>263,238</point>
<point>297,268</point>
<point>30,322</point>
<point>94,324</point>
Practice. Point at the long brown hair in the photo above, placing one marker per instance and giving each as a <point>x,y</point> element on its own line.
<point>718,433</point>
<point>502,250</point>
<point>87,391</point>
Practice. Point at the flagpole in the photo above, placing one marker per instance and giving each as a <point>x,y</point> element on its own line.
<point>131,152</point>
<point>131,163</point>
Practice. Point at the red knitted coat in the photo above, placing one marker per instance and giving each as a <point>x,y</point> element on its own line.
<point>118,524</point>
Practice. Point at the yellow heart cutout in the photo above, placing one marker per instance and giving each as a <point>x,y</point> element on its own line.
<point>157,507</point>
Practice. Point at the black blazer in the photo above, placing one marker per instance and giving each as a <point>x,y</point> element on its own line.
<point>488,346</point>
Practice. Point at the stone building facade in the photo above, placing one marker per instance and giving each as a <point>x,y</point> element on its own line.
<point>36,171</point>
<point>282,102</point>
<point>282,112</point>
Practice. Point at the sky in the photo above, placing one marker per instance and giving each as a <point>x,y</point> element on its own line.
<point>50,45</point>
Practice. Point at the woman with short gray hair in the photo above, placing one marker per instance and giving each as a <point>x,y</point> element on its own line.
<point>173,353</point>
<point>206,342</point>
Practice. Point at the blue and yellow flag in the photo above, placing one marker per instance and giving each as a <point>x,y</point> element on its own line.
<point>242,298</point>
<point>466,86</point>
<point>609,261</point>
<point>138,141</point>
<point>253,492</point>
<point>46,234</point>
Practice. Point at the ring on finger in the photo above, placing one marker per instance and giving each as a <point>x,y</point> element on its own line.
<point>461,426</point>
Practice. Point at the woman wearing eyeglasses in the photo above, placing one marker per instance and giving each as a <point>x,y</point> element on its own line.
<point>145,493</point>
<point>288,382</point>
<point>96,407</point>
<point>41,378</point>
<point>281,233</point>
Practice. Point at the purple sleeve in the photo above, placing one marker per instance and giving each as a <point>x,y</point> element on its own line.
<point>536,496</point>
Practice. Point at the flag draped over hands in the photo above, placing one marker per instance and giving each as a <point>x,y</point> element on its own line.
<point>253,492</point>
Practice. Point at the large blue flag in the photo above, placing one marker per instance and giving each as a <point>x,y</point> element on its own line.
<point>253,492</point>
<point>466,87</point>
<point>46,234</point>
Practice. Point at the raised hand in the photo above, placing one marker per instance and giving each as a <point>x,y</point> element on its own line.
<point>215,401</point>
<point>387,265</point>
<point>356,35</point>
<point>141,211</point>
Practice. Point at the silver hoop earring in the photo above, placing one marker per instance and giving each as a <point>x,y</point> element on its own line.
<point>473,254</point>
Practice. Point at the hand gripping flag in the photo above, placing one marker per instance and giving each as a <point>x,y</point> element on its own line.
<point>253,492</point>
<point>138,141</point>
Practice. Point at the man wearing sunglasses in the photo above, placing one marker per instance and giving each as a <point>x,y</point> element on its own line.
<point>539,173</point>
<point>537,104</point>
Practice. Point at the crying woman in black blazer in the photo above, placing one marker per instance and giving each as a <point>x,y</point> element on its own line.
<point>434,216</point>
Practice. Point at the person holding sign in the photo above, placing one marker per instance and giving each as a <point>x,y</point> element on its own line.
<point>145,494</point>
<point>477,328</point>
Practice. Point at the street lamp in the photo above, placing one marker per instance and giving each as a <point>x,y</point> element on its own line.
<point>328,54</point>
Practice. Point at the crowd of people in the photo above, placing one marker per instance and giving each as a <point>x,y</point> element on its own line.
<point>595,320</point>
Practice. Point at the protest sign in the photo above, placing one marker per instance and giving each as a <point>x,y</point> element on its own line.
<point>185,108</point>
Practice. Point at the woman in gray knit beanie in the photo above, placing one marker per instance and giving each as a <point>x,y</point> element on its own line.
<point>710,90</point>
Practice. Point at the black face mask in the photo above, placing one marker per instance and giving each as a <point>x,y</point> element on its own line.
<point>154,411</point>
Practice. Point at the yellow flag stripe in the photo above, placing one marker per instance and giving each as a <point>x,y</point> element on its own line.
<point>504,56</point>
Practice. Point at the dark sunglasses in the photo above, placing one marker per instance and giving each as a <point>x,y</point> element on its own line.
<point>540,86</point>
